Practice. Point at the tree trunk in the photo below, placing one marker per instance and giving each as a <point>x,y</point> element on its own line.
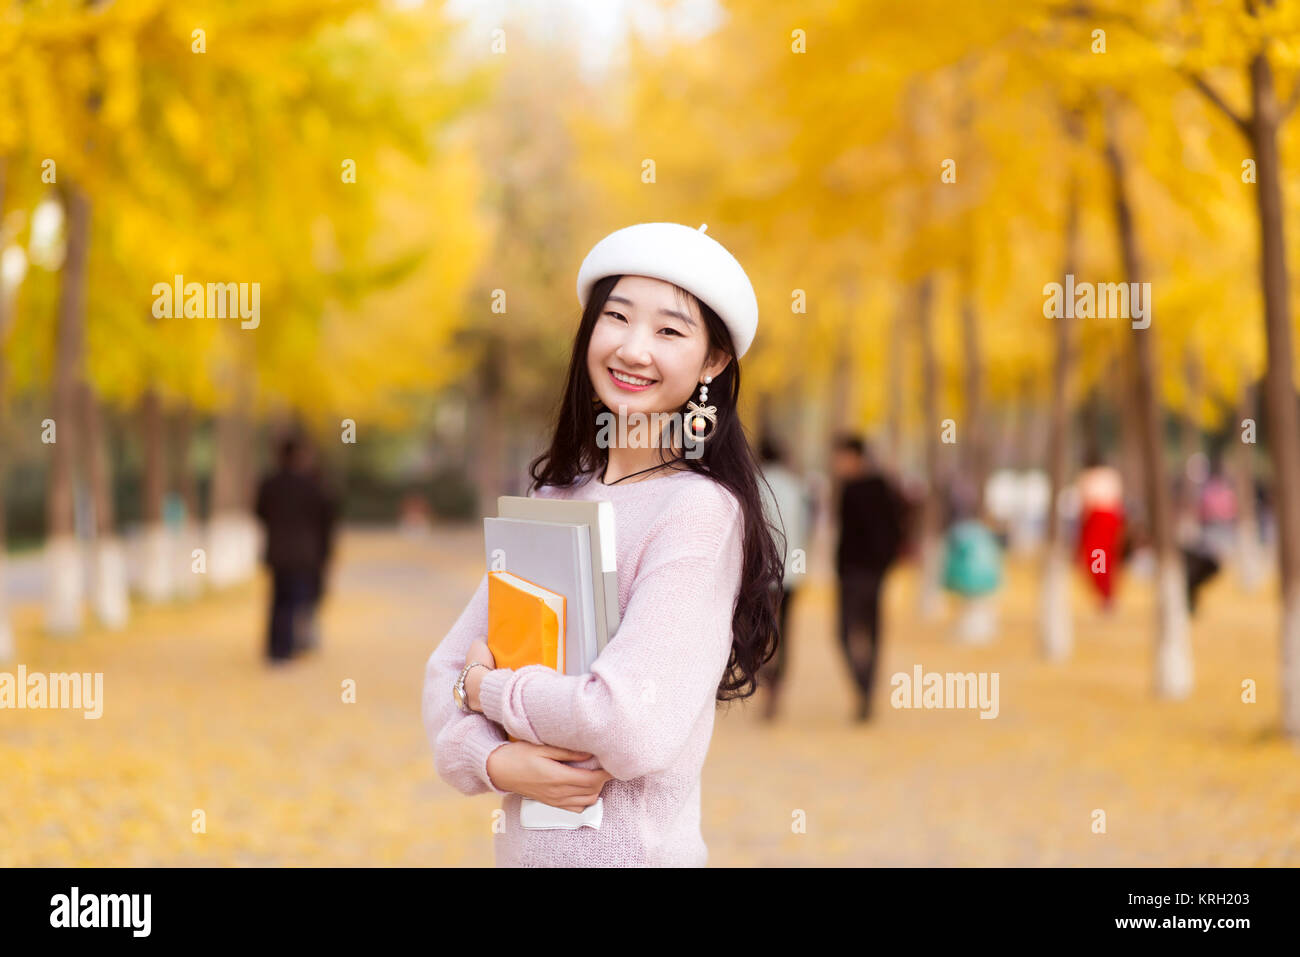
<point>1022,439</point>
<point>1130,437</point>
<point>841,384</point>
<point>1279,383</point>
<point>1173,652</point>
<point>1191,437</point>
<point>182,475</point>
<point>932,509</point>
<point>489,478</point>
<point>1250,561</point>
<point>187,537</point>
<point>1056,638</point>
<point>224,558</point>
<point>156,544</point>
<point>974,440</point>
<point>109,587</point>
<point>894,397</point>
<point>65,584</point>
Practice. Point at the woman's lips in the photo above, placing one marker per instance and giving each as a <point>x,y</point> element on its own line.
<point>627,387</point>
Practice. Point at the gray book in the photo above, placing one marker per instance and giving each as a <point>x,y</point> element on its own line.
<point>598,517</point>
<point>557,557</point>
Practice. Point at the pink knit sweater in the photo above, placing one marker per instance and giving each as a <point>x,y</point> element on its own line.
<point>645,710</point>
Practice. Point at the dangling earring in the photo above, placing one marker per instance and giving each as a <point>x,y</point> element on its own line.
<point>696,414</point>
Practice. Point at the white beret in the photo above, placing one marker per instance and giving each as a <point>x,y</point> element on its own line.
<point>678,254</point>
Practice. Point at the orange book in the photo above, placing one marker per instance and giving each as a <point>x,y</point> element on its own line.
<point>525,624</point>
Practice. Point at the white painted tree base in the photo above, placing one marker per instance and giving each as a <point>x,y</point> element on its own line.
<point>1023,536</point>
<point>156,563</point>
<point>977,622</point>
<point>930,596</point>
<point>1141,565</point>
<point>234,548</point>
<point>252,545</point>
<point>1174,674</point>
<point>109,588</point>
<point>7,651</point>
<point>182,541</point>
<point>1251,570</point>
<point>1056,629</point>
<point>225,550</point>
<point>65,585</point>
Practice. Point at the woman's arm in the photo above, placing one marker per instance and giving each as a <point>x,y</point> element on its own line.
<point>461,742</point>
<point>648,688</point>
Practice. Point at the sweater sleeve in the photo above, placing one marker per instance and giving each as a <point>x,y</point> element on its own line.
<point>461,742</point>
<point>645,692</point>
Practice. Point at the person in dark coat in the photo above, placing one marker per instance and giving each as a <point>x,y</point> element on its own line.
<point>298,515</point>
<point>872,520</point>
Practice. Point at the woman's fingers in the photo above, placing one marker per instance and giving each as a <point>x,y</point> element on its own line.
<point>572,789</point>
<point>581,777</point>
<point>564,754</point>
<point>577,808</point>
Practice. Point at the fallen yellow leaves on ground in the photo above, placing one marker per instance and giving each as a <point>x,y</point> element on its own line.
<point>286,773</point>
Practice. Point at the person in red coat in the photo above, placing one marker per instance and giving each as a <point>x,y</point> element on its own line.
<point>1101,527</point>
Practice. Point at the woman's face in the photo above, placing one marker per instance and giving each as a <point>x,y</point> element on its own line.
<point>646,332</point>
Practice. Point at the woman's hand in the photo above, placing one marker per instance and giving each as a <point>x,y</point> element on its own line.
<point>536,771</point>
<point>478,651</point>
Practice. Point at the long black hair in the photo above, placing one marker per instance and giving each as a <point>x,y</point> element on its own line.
<point>727,459</point>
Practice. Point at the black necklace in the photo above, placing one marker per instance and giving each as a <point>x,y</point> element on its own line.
<point>642,472</point>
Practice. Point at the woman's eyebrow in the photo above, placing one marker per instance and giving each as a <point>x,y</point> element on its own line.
<point>664,312</point>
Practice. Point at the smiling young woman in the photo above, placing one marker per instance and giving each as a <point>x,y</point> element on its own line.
<point>666,311</point>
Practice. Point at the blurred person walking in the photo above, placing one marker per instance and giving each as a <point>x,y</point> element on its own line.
<point>789,506</point>
<point>308,635</point>
<point>1101,525</point>
<point>1217,510</point>
<point>871,520</point>
<point>973,571</point>
<point>298,515</point>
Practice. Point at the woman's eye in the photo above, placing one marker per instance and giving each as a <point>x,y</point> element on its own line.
<point>619,315</point>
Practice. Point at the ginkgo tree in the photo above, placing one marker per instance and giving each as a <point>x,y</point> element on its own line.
<point>267,148</point>
<point>1232,55</point>
<point>833,166</point>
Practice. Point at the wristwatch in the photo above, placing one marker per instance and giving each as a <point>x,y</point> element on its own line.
<point>458,689</point>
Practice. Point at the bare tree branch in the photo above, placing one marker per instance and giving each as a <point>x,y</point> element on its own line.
<point>1211,94</point>
<point>1081,10</point>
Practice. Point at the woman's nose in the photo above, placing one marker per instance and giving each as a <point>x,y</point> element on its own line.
<point>635,349</point>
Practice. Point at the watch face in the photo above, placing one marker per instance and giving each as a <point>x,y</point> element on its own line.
<point>456,696</point>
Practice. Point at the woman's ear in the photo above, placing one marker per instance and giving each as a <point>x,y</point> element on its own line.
<point>717,361</point>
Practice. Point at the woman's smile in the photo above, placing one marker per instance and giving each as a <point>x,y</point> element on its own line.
<point>630,383</point>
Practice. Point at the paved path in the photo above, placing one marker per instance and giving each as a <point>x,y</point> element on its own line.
<point>286,773</point>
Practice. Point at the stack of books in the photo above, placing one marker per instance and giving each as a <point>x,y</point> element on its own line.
<point>552,600</point>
